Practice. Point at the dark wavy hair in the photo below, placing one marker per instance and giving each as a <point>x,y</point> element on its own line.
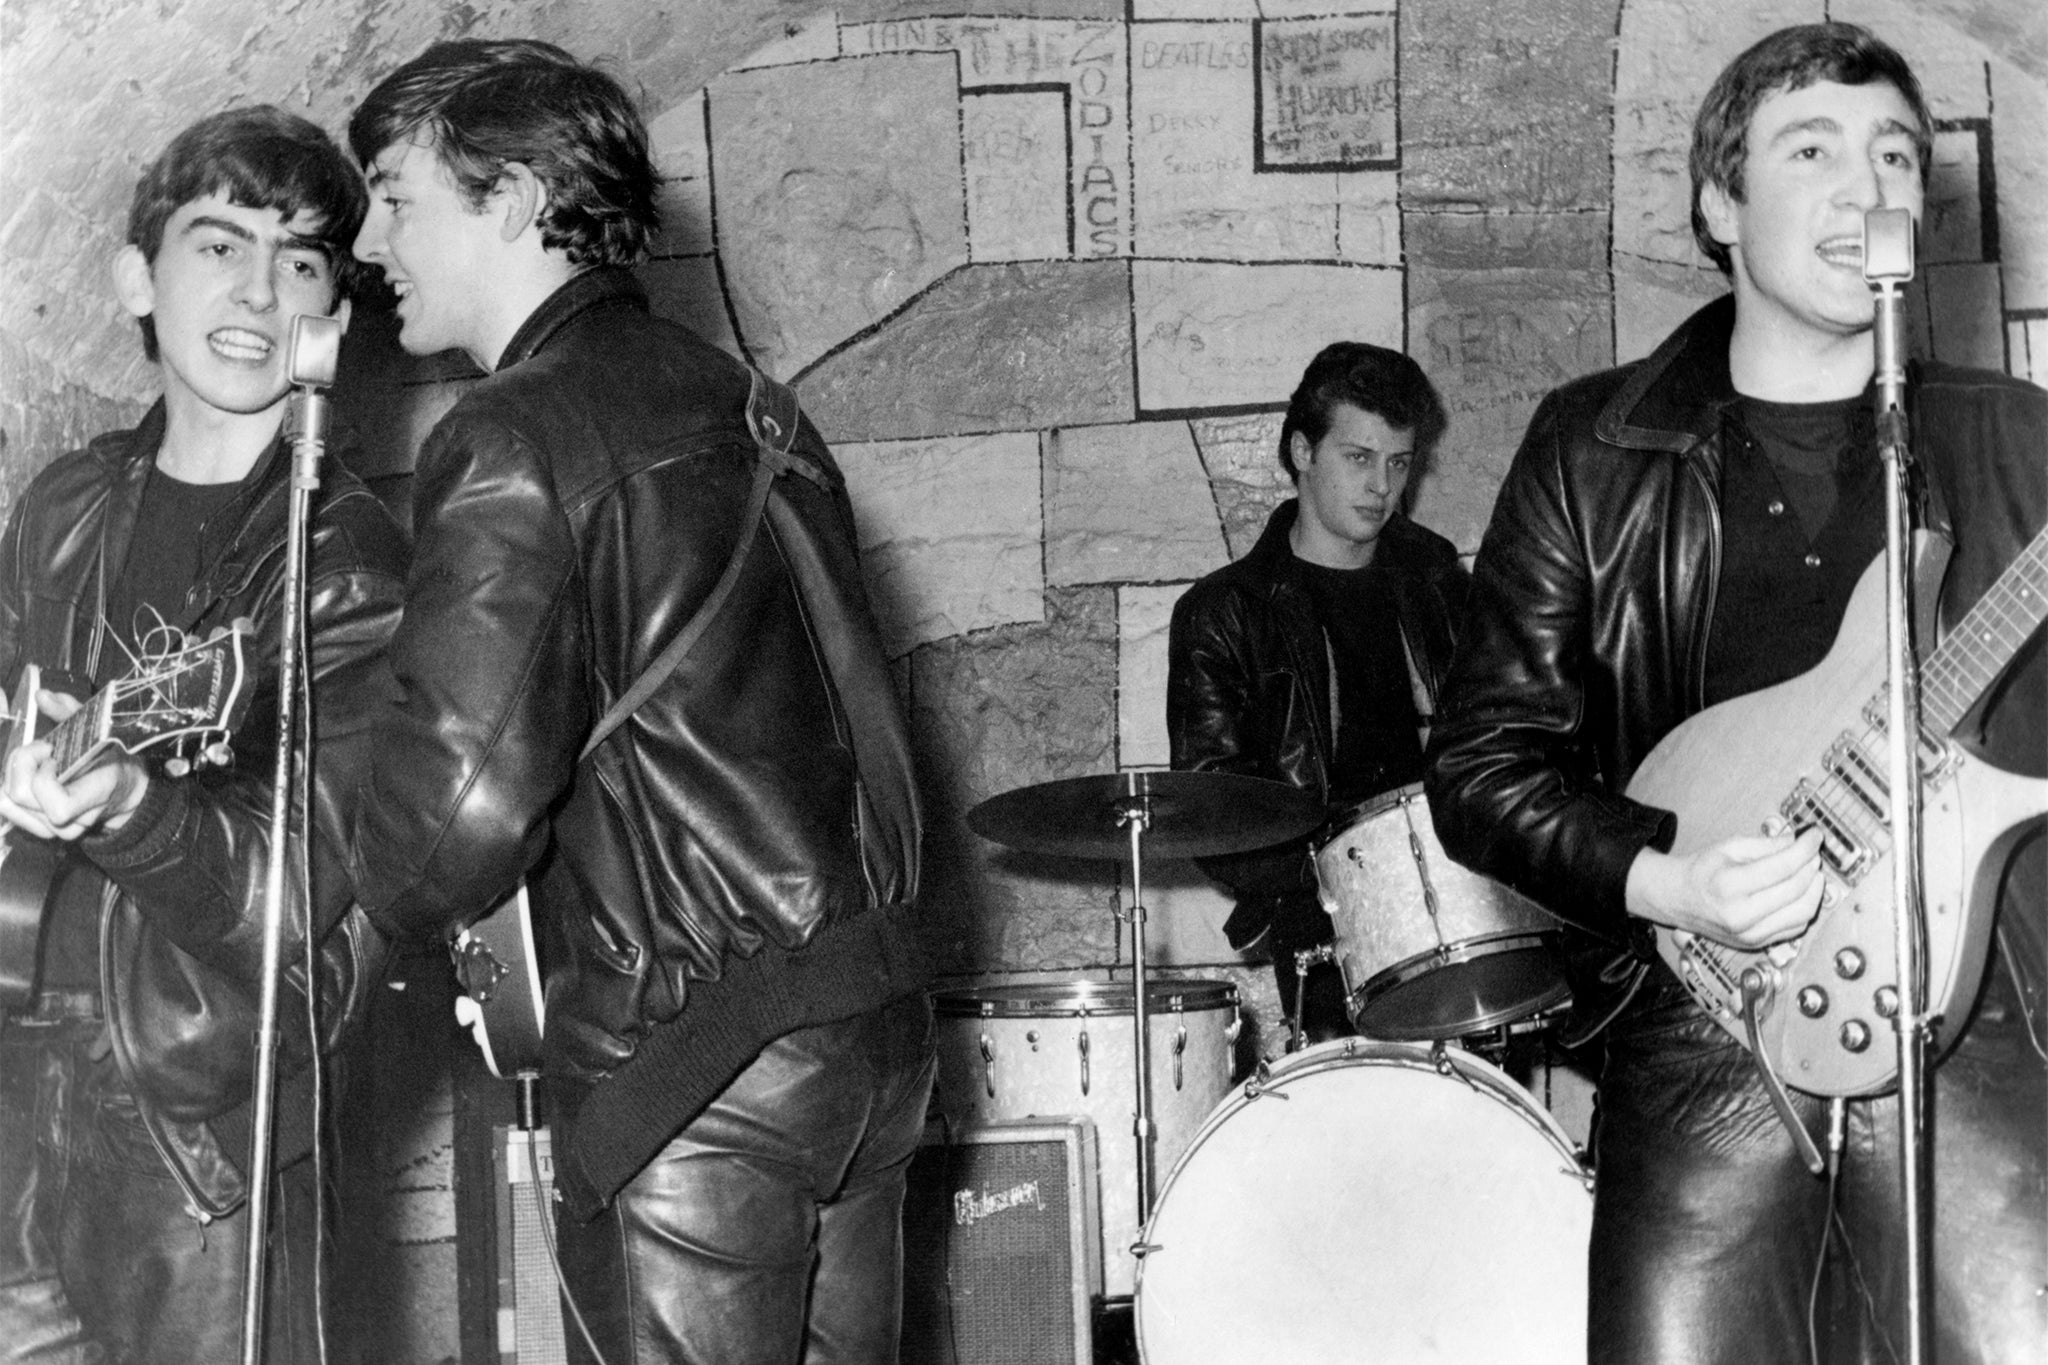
<point>260,157</point>
<point>483,105</point>
<point>1790,59</point>
<point>1383,382</point>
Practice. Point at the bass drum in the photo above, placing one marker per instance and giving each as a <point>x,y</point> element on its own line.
<point>1377,1201</point>
<point>1068,1047</point>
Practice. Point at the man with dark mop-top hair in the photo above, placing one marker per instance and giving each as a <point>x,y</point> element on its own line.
<point>738,1044</point>
<point>125,1075</point>
<point>1686,531</point>
<point>1315,660</point>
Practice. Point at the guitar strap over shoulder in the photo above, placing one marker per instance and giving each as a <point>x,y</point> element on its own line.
<point>772,420</point>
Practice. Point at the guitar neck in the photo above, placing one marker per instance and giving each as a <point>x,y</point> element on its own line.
<point>1978,648</point>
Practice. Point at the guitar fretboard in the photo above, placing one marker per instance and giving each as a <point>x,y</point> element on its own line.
<point>1979,646</point>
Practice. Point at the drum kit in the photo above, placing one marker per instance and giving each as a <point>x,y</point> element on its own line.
<point>1396,1189</point>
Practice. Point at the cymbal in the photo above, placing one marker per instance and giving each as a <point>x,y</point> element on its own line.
<point>1191,814</point>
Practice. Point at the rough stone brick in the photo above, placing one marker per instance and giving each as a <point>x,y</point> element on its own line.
<point>683,160</point>
<point>839,196</point>
<point>1143,613</point>
<point>687,289</point>
<point>992,712</point>
<point>1085,58</point>
<point>1193,155</point>
<point>1496,337</point>
<point>1242,455</point>
<point>992,348</point>
<point>950,533</point>
<point>1018,202</point>
<point>1505,107</point>
<point>1127,504</point>
<point>1217,335</point>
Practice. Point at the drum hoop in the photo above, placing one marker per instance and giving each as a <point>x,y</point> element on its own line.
<point>1082,999</point>
<point>1419,965</point>
<point>1475,1071</point>
<point>1371,809</point>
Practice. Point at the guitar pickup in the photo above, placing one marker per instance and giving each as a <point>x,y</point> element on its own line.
<point>1845,855</point>
<point>1937,757</point>
<point>1853,769</point>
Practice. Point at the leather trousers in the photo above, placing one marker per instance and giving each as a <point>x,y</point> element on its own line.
<point>769,1231</point>
<point>1708,1230</point>
<point>102,1261</point>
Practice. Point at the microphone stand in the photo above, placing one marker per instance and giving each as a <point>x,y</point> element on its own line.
<point>315,351</point>
<point>1887,266</point>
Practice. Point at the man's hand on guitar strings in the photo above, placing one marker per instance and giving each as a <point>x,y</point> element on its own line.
<point>1747,892</point>
<point>99,800</point>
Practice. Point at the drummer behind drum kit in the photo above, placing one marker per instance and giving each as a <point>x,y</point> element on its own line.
<point>1393,1197</point>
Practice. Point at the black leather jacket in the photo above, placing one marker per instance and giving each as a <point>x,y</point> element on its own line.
<point>1249,673</point>
<point>571,513</point>
<point>181,932</point>
<point>1587,635</point>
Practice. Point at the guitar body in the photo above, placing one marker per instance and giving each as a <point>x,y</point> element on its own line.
<point>502,1001</point>
<point>27,867</point>
<point>182,701</point>
<point>1810,751</point>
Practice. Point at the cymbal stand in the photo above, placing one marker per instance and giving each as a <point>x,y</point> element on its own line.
<point>1134,813</point>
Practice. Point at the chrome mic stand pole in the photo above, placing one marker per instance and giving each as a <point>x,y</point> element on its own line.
<point>315,352</point>
<point>1887,265</point>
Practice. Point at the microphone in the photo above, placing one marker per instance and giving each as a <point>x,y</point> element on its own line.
<point>310,365</point>
<point>1887,266</point>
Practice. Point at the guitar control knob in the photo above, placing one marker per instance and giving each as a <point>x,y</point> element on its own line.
<point>1888,1002</point>
<point>1856,1035</point>
<point>1849,964</point>
<point>1813,1001</point>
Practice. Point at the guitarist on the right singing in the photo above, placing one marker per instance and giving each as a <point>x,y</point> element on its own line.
<point>1683,531</point>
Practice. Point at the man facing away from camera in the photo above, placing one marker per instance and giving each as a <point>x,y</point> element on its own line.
<point>1681,532</point>
<point>125,1076</point>
<point>738,1047</point>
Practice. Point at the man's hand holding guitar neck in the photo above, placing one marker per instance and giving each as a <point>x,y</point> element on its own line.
<point>35,800</point>
<point>1747,892</point>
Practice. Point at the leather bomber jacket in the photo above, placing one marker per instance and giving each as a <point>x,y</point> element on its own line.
<point>1593,591</point>
<point>572,511</point>
<point>182,907</point>
<point>1249,677</point>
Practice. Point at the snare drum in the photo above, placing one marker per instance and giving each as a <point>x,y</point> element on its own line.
<point>1024,1051</point>
<point>1429,949</point>
<point>1377,1201</point>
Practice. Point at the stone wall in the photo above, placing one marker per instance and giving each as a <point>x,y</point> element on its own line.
<point>1045,279</point>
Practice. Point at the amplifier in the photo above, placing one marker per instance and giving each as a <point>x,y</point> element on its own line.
<point>529,1303</point>
<point>1002,1245</point>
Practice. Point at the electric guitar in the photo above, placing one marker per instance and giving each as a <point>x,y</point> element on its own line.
<point>189,699</point>
<point>501,1001</point>
<point>1812,753</point>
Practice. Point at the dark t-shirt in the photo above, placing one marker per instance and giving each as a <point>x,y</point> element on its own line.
<point>1379,744</point>
<point>1802,517</point>
<point>164,560</point>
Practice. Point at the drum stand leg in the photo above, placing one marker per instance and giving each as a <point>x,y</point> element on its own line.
<point>1134,812</point>
<point>1304,959</point>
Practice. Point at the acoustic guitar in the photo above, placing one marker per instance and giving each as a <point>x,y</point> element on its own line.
<point>187,700</point>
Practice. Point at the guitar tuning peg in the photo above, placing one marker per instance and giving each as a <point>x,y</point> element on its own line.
<point>177,767</point>
<point>218,753</point>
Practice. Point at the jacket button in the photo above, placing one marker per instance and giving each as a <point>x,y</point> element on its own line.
<point>1777,507</point>
<point>1812,561</point>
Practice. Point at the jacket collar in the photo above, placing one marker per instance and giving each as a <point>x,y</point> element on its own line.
<point>1273,555</point>
<point>1677,397</point>
<point>599,287</point>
